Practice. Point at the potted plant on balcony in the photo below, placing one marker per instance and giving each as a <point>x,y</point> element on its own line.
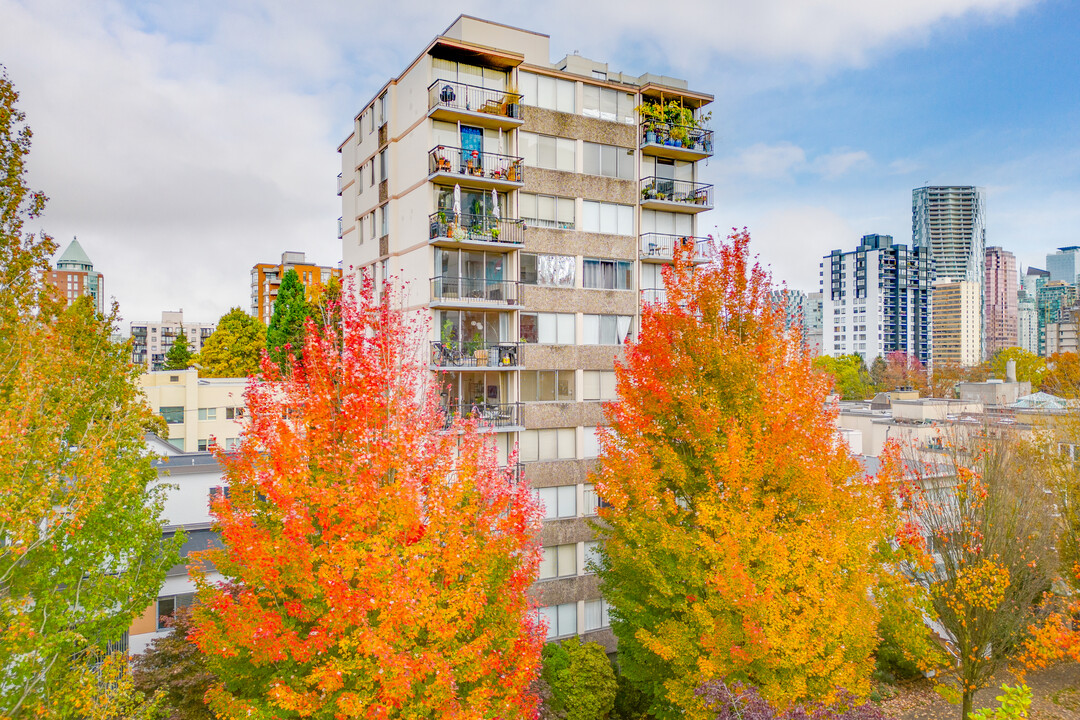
<point>648,192</point>
<point>495,234</point>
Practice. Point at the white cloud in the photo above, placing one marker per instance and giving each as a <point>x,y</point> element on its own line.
<point>792,240</point>
<point>840,162</point>
<point>762,161</point>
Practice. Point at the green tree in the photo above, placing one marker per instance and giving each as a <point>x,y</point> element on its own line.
<point>179,356</point>
<point>174,666</point>
<point>80,535</point>
<point>1029,366</point>
<point>850,376</point>
<point>235,347</point>
<point>285,333</point>
<point>581,679</point>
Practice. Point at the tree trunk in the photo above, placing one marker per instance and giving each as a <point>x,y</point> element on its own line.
<point>968,696</point>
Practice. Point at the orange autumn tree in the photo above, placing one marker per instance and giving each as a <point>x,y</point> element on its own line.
<point>375,564</point>
<point>738,530</point>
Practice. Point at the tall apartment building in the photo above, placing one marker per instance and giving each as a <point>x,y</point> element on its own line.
<point>1053,301</point>
<point>1000,301</point>
<point>74,276</point>
<point>1034,279</point>
<point>814,322</point>
<point>1027,322</point>
<point>957,322</point>
<point>876,300</point>
<point>950,222</point>
<point>266,279</point>
<point>1063,265</point>
<point>531,212</point>
<point>1062,336</point>
<point>150,341</point>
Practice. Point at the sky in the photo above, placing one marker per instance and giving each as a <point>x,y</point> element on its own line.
<point>183,142</point>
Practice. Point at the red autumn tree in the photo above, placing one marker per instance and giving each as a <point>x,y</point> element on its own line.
<point>375,565</point>
<point>738,529</point>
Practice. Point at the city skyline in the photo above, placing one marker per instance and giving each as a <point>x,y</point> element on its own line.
<point>194,142</point>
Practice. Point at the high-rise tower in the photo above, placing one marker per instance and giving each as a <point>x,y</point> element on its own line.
<point>950,222</point>
<point>1000,300</point>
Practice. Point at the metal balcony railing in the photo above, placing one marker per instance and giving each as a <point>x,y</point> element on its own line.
<point>680,191</point>
<point>474,163</point>
<point>340,183</point>
<point>460,96</point>
<point>340,227</point>
<point>486,415</point>
<point>653,295</point>
<point>475,290</point>
<point>662,245</point>
<point>683,136</point>
<point>453,354</point>
<point>484,228</point>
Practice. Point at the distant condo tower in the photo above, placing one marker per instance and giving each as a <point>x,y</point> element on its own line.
<point>950,222</point>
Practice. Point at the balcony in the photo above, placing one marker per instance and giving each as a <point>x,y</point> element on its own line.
<point>475,169</point>
<point>475,292</point>
<point>660,247</point>
<point>340,184</point>
<point>480,231</point>
<point>653,295</point>
<point>679,142</point>
<point>455,355</point>
<point>675,195</point>
<point>493,417</point>
<point>485,107</point>
<point>340,229</point>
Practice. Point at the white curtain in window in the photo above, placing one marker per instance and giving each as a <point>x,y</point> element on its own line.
<point>548,446</point>
<point>555,270</point>
<point>593,615</point>
<point>567,614</point>
<point>567,499</point>
<point>548,560</point>
<point>566,329</point>
<point>624,328</point>
<point>567,560</point>
<point>568,451</point>
<point>551,619</point>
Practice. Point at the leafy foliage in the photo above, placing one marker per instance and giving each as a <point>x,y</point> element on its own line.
<point>947,375</point>
<point>1015,702</point>
<point>849,374</point>
<point>235,347</point>
<point>990,528</point>
<point>743,702</point>
<point>173,665</point>
<point>106,691</point>
<point>80,541</point>
<point>1062,376</point>
<point>738,534</point>
<point>179,356</point>
<point>285,332</point>
<point>903,370</point>
<point>1029,366</point>
<point>581,679</point>
<point>375,565</point>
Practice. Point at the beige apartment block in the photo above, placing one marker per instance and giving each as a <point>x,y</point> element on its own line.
<point>200,412</point>
<point>151,340</point>
<point>530,210</point>
<point>958,315</point>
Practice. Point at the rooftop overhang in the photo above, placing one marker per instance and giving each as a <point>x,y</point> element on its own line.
<point>448,48</point>
<point>689,98</point>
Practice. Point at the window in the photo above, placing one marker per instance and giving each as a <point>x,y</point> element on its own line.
<point>592,556</point>
<point>590,501</point>
<point>382,165</point>
<point>206,445</point>
<point>547,385</point>
<point>547,92</point>
<point>371,172</point>
<point>384,221</point>
<point>453,71</point>
<point>598,385</point>
<point>608,274</point>
<point>382,108</point>
<point>607,218</point>
<point>219,491</point>
<point>548,270</point>
<point>231,444</point>
<point>234,413</point>
<point>207,414</point>
<point>173,415</point>
<point>590,445</point>
<point>561,619</point>
<point>608,160</point>
<point>558,561</point>
<point>606,329</point>
<point>167,607</point>
<point>548,444</point>
<point>547,151</point>
<point>548,328</point>
<point>596,614</point>
<point>547,211</point>
<point>608,104</point>
<point>558,502</point>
